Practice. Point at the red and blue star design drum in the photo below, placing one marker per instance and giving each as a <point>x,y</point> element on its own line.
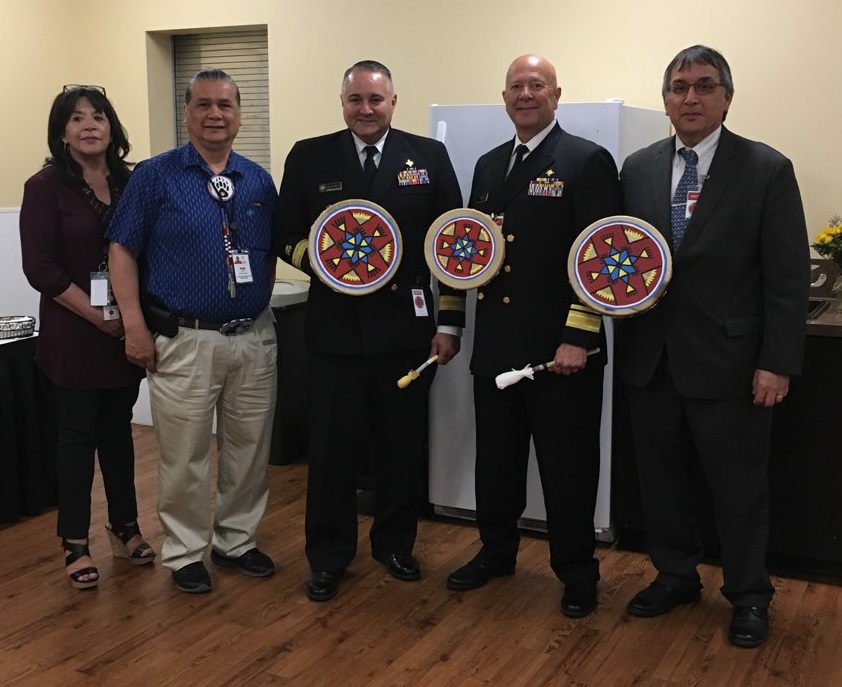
<point>619,266</point>
<point>464,249</point>
<point>355,247</point>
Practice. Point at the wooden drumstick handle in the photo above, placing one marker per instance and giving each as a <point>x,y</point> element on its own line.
<point>542,367</point>
<point>508,378</point>
<point>550,365</point>
<point>412,375</point>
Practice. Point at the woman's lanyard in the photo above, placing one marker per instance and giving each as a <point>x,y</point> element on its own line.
<point>101,292</point>
<point>221,189</point>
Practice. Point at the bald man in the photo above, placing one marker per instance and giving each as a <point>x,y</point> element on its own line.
<point>543,187</point>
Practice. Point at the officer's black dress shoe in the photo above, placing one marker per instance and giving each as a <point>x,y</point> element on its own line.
<point>579,599</point>
<point>253,563</point>
<point>193,578</point>
<point>322,585</point>
<point>658,599</point>
<point>749,626</point>
<point>400,565</point>
<point>476,573</point>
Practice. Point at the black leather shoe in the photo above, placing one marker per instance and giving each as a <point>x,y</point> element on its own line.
<point>477,573</point>
<point>579,599</point>
<point>253,563</point>
<point>322,585</point>
<point>749,626</point>
<point>658,599</point>
<point>400,565</point>
<point>192,578</point>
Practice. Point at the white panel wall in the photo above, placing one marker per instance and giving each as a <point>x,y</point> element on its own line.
<point>17,297</point>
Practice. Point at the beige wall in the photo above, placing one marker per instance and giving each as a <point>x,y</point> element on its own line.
<point>784,56</point>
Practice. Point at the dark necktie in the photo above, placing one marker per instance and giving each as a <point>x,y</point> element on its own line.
<point>369,168</point>
<point>520,151</point>
<point>689,182</point>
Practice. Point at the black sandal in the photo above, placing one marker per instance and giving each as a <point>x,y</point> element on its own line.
<point>73,553</point>
<point>141,555</point>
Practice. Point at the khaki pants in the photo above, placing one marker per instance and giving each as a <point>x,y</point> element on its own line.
<point>199,372</point>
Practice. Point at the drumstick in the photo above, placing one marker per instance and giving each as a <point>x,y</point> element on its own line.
<point>508,378</point>
<point>412,375</point>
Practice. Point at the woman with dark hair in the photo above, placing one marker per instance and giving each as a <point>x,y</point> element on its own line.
<point>65,212</point>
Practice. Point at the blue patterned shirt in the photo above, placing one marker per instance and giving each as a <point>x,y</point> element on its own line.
<point>169,219</point>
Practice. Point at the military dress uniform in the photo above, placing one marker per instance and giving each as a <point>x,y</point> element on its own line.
<point>522,316</point>
<point>360,345</point>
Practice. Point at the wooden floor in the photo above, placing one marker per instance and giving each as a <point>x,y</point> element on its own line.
<point>137,630</point>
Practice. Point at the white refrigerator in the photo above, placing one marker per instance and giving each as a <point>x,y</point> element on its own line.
<point>468,131</point>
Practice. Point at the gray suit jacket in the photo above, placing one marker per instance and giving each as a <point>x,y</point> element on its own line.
<point>737,299</point>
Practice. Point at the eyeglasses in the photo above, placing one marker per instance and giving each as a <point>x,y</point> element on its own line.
<point>702,87</point>
<point>79,87</point>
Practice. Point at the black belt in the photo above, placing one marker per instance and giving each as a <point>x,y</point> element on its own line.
<point>237,326</point>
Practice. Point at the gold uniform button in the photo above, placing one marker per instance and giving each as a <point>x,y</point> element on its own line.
<point>394,287</point>
<point>507,268</point>
<point>510,238</point>
<point>507,300</point>
<point>480,295</point>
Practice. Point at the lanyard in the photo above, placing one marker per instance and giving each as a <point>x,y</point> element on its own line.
<point>221,189</point>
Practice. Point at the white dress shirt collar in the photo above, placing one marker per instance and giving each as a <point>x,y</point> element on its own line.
<point>361,146</point>
<point>705,149</point>
<point>533,142</point>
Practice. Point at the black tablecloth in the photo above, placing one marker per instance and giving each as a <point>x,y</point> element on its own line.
<point>805,529</point>
<point>289,430</point>
<point>28,434</point>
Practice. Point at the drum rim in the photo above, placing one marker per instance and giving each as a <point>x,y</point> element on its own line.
<point>491,270</point>
<point>316,230</point>
<point>651,298</point>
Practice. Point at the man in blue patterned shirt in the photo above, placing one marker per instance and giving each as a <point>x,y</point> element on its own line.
<point>192,270</point>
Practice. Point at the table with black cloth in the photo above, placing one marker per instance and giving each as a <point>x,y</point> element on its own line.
<point>28,433</point>
<point>289,429</point>
<point>805,473</point>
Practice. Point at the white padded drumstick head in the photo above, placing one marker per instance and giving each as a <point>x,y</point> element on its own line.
<point>508,378</point>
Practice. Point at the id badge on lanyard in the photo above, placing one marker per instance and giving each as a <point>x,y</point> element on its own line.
<point>222,189</point>
<point>102,295</point>
<point>242,267</point>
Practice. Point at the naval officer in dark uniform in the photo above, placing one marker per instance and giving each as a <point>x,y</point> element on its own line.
<point>360,345</point>
<point>547,186</point>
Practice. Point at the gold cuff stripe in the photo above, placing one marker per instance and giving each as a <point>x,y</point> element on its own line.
<point>584,308</point>
<point>452,303</point>
<point>298,253</point>
<point>583,320</point>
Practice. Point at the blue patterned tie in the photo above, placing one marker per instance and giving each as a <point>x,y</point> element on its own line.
<point>689,182</point>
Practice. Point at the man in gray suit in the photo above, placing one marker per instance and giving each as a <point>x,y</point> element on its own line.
<point>707,365</point>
